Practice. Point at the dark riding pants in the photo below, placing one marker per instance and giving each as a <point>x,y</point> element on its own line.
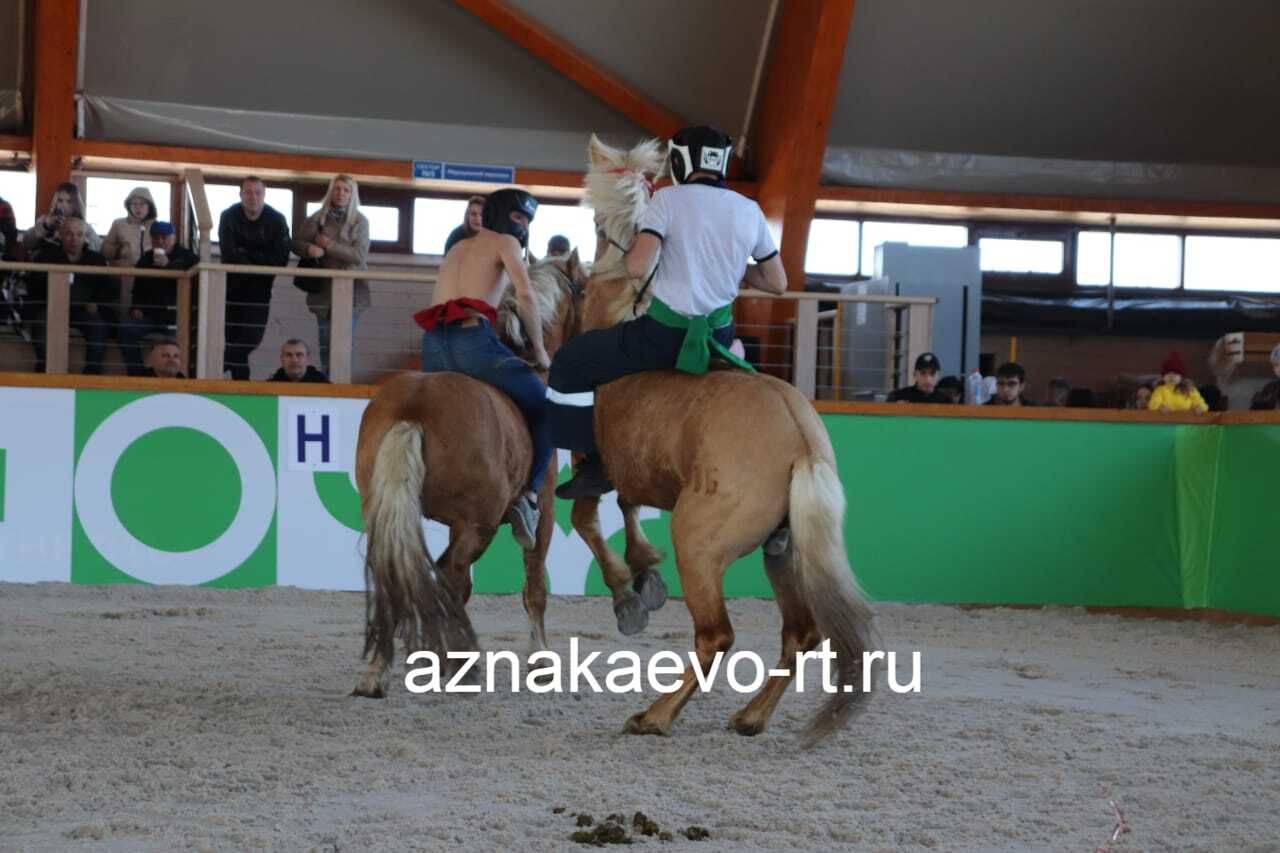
<point>590,360</point>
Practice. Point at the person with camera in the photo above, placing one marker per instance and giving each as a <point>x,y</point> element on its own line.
<point>46,232</point>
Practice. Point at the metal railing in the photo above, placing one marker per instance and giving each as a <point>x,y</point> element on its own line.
<point>808,346</point>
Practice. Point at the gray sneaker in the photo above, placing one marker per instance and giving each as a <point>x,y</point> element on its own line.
<point>524,517</point>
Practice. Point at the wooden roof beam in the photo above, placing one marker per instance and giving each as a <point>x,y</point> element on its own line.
<point>576,66</point>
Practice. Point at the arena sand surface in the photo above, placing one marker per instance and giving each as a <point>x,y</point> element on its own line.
<point>137,718</point>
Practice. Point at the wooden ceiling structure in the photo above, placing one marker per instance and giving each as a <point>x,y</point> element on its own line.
<point>782,169</point>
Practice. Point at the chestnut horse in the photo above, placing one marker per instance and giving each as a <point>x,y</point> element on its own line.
<point>732,456</point>
<point>456,450</point>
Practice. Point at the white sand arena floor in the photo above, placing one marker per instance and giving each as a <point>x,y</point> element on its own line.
<point>137,718</point>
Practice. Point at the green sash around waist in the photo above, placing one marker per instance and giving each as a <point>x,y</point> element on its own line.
<point>695,352</point>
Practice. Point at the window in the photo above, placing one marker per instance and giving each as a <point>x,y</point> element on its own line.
<point>832,248</point>
<point>876,233</point>
<point>433,220</point>
<point>104,200</point>
<point>1000,254</point>
<point>222,196</point>
<point>19,189</point>
<point>576,223</point>
<point>1247,264</point>
<point>384,222</point>
<point>1142,260</point>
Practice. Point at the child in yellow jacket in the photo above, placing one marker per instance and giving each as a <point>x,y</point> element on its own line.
<point>1176,393</point>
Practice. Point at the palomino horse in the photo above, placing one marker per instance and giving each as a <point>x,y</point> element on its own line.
<point>456,450</point>
<point>732,456</point>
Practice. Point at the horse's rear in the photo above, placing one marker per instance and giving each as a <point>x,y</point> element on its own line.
<point>734,456</point>
<point>456,450</point>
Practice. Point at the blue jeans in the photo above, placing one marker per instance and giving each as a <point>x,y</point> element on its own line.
<point>477,352</point>
<point>322,326</point>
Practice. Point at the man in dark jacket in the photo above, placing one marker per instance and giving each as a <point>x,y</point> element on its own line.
<point>251,232</point>
<point>294,356</point>
<point>154,299</point>
<point>165,360</point>
<point>93,297</point>
<point>925,389</point>
<point>8,232</point>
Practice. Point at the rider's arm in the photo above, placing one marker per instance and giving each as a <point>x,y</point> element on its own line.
<point>644,251</point>
<point>768,276</point>
<point>526,303</point>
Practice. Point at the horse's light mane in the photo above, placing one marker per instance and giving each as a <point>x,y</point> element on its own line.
<point>618,187</point>
<point>549,290</point>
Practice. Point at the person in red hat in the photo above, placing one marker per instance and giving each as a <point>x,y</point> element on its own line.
<point>1176,393</point>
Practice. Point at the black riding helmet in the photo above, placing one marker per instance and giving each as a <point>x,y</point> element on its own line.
<point>699,149</point>
<point>498,207</point>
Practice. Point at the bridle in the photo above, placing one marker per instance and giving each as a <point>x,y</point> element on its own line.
<point>601,233</point>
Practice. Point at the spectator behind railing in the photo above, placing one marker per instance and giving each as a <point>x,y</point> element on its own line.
<point>130,235</point>
<point>558,245</point>
<point>471,223</point>
<point>1140,398</point>
<point>1268,397</point>
<point>93,297</point>
<point>1059,392</point>
<point>334,237</point>
<point>952,388</point>
<point>8,231</point>
<point>153,309</point>
<point>251,232</point>
<point>65,205</point>
<point>164,361</point>
<point>1011,381</point>
<point>925,389</point>
<point>1176,392</point>
<point>294,355</point>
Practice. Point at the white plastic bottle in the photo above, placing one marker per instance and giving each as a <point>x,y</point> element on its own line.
<point>975,392</point>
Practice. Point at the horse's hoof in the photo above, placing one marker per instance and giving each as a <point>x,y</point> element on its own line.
<point>651,588</point>
<point>375,692</point>
<point>638,725</point>
<point>632,615</point>
<point>745,727</point>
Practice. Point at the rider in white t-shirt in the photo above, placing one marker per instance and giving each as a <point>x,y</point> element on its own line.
<point>705,234</point>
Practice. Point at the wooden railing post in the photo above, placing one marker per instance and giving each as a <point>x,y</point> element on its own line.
<point>57,340</point>
<point>212,328</point>
<point>805,349</point>
<point>342,292</point>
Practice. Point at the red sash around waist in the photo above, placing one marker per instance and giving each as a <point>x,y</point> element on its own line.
<point>455,311</point>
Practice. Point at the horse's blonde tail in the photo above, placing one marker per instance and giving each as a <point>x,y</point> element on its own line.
<point>404,590</point>
<point>828,586</point>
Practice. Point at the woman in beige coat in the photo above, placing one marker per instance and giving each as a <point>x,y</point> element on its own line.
<point>130,236</point>
<point>336,237</point>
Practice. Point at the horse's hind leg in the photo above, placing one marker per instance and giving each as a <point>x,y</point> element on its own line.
<point>641,559</point>
<point>535,568</point>
<point>467,542</point>
<point>631,612</point>
<point>799,634</point>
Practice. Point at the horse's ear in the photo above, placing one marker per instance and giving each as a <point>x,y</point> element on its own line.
<point>572,264</point>
<point>599,154</point>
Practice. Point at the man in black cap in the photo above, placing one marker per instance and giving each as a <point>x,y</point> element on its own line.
<point>926,388</point>
<point>704,233</point>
